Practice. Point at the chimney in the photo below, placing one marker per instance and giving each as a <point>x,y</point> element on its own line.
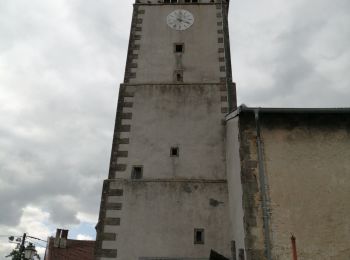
<point>56,242</point>
<point>64,233</point>
<point>60,240</point>
<point>64,237</point>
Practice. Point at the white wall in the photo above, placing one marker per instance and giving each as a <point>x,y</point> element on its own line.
<point>233,168</point>
<point>156,61</point>
<point>308,171</point>
<point>158,219</point>
<point>187,116</point>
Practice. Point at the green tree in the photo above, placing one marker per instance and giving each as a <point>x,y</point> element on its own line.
<point>15,254</point>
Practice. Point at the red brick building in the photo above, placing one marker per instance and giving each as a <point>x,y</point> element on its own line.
<point>62,248</point>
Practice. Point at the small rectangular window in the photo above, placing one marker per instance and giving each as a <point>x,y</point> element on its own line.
<point>241,254</point>
<point>178,76</point>
<point>174,1</point>
<point>174,151</point>
<point>187,1</point>
<point>179,47</point>
<point>166,1</point>
<point>136,172</point>
<point>199,236</point>
<point>194,1</point>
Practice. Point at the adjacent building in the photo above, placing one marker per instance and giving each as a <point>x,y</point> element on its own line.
<point>288,172</point>
<point>194,177</point>
<point>62,248</point>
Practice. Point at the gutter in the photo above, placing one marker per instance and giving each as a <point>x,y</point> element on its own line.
<point>287,110</point>
<point>263,187</point>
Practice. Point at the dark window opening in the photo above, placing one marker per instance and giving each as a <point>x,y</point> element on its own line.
<point>194,1</point>
<point>178,76</point>
<point>174,151</point>
<point>199,236</point>
<point>174,1</point>
<point>136,172</point>
<point>241,254</point>
<point>233,249</point>
<point>166,1</point>
<point>179,47</point>
<point>187,1</point>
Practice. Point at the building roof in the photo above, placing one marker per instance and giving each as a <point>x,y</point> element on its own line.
<point>270,110</point>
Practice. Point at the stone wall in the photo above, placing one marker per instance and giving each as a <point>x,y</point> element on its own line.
<point>305,169</point>
<point>154,215</point>
<point>251,186</point>
<point>157,218</point>
<point>154,118</point>
<point>151,119</point>
<point>307,160</point>
<point>151,57</point>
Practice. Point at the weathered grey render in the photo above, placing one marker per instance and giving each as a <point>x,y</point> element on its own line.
<point>166,196</point>
<point>289,173</point>
<point>190,173</point>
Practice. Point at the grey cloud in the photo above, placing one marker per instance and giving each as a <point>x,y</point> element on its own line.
<point>295,45</point>
<point>62,213</point>
<point>10,216</point>
<point>63,63</point>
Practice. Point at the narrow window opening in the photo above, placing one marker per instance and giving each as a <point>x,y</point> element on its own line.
<point>241,254</point>
<point>136,172</point>
<point>194,1</point>
<point>179,47</point>
<point>187,1</point>
<point>174,1</point>
<point>199,236</point>
<point>174,151</point>
<point>166,1</point>
<point>178,76</point>
<point>233,250</point>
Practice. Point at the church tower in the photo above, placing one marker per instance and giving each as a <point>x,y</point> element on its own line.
<point>166,196</point>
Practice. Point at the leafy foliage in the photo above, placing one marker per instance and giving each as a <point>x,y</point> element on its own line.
<point>15,254</point>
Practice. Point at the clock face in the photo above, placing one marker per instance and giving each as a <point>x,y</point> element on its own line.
<point>180,20</point>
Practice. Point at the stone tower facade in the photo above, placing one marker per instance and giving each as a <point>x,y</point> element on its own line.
<point>166,196</point>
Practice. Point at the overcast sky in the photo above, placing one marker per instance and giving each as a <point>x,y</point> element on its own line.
<point>60,66</point>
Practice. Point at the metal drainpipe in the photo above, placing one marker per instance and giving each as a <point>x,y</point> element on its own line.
<point>263,186</point>
<point>294,247</point>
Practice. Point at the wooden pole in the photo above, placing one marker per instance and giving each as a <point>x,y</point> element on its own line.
<point>21,248</point>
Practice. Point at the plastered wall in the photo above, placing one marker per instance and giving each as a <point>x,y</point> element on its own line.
<point>233,166</point>
<point>307,162</point>
<point>158,218</point>
<point>150,120</point>
<point>306,168</point>
<point>189,117</point>
<point>151,57</point>
<point>155,215</point>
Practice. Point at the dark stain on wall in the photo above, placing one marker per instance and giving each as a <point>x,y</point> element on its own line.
<point>250,186</point>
